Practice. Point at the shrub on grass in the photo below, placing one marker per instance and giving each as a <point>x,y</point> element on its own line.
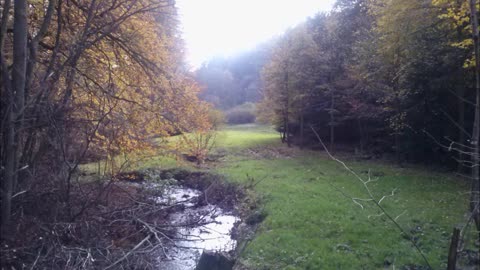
<point>242,114</point>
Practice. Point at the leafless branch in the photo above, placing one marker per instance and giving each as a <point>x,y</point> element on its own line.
<point>128,253</point>
<point>372,198</point>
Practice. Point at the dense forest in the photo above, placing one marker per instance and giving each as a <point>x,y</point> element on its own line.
<point>391,79</point>
<point>229,82</point>
<point>382,76</point>
<point>107,82</point>
<point>84,81</point>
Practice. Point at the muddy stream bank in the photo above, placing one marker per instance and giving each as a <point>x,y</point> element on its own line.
<point>203,215</point>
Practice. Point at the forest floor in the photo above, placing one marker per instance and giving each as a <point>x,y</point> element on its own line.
<point>311,220</point>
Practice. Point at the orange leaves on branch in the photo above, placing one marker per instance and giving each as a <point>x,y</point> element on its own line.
<point>118,73</point>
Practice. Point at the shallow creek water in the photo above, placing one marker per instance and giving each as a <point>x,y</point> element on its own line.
<point>198,228</point>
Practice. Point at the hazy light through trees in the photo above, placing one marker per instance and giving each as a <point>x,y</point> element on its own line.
<point>224,27</point>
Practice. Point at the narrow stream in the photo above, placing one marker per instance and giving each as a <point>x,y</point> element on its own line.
<point>198,228</point>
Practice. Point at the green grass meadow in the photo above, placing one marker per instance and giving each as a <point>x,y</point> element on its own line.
<point>313,223</point>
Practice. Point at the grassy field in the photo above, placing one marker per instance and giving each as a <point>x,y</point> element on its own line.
<point>313,224</point>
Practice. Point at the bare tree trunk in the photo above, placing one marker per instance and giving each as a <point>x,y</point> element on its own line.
<point>475,192</point>
<point>452,253</point>
<point>461,123</point>
<point>287,108</point>
<point>302,132</point>
<point>332,123</point>
<point>396,106</point>
<point>287,129</point>
<point>19,55</point>
<point>33,48</point>
<point>461,115</point>
<point>17,102</point>
<point>9,174</point>
<point>7,130</point>
<point>362,137</point>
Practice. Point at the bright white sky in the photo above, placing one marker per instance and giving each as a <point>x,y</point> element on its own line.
<point>225,27</point>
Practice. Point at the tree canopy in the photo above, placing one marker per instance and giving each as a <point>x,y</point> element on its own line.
<point>383,76</point>
<point>85,80</point>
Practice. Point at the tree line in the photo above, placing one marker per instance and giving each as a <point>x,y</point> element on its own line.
<point>232,81</point>
<point>388,78</point>
<point>385,77</point>
<point>83,81</point>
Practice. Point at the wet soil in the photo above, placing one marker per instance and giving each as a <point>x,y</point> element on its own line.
<point>138,220</point>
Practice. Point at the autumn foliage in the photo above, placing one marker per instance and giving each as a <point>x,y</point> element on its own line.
<point>102,78</point>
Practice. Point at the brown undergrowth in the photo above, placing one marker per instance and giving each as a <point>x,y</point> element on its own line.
<point>111,224</point>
